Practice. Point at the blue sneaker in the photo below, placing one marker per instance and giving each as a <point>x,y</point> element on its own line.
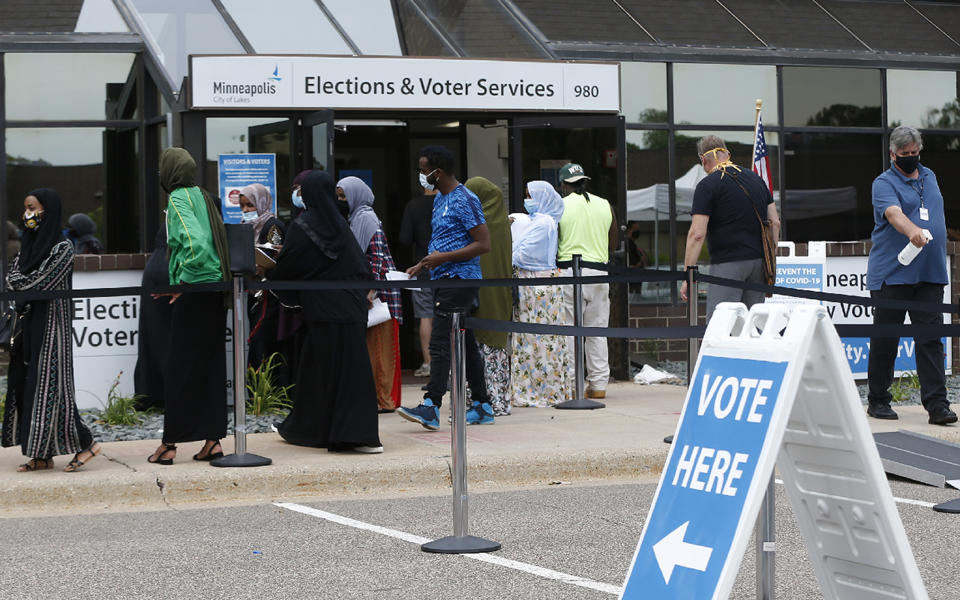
<point>480,414</point>
<point>426,414</point>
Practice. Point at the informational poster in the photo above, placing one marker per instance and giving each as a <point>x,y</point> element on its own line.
<point>235,172</point>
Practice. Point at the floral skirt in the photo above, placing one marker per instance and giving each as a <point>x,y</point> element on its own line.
<point>540,363</point>
<point>496,375</point>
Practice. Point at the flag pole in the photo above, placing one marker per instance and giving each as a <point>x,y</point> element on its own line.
<point>756,127</point>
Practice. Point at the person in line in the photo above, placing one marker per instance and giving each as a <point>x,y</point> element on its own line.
<point>907,201</point>
<point>723,214</point>
<point>459,236</point>
<point>383,339</point>
<point>256,205</point>
<point>153,328</point>
<point>41,410</point>
<point>415,233</point>
<point>541,363</point>
<point>587,228</point>
<point>495,303</point>
<point>334,396</point>
<point>82,231</point>
<point>195,367</point>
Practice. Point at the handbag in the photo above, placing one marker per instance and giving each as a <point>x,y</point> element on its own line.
<point>766,240</point>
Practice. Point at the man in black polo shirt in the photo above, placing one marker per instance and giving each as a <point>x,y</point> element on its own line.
<point>723,212</point>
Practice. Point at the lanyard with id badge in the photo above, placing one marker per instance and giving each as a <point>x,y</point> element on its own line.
<point>924,212</point>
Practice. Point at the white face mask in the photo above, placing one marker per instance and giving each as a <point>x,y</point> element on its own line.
<point>249,217</point>
<point>423,180</point>
<point>297,199</point>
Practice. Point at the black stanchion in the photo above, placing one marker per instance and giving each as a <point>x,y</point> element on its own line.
<point>460,542</point>
<point>240,456</point>
<point>578,402</point>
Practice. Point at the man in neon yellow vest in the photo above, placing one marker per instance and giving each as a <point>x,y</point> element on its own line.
<point>587,228</point>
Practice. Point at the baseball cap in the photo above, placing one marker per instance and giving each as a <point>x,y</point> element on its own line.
<point>572,172</point>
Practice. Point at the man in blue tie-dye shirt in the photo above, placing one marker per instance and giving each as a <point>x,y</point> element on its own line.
<point>459,237</point>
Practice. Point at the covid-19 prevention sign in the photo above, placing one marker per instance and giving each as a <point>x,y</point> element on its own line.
<point>399,83</point>
<point>235,172</point>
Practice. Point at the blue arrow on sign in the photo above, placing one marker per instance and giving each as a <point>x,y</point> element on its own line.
<point>709,477</point>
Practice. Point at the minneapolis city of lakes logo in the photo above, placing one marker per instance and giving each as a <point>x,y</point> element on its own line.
<point>240,93</point>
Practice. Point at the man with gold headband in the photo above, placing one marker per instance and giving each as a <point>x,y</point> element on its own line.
<point>726,206</point>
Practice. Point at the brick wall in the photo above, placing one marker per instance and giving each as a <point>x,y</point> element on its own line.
<point>109,262</point>
<point>668,315</point>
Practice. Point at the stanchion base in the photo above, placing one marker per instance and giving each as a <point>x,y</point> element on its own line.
<point>668,439</point>
<point>241,460</point>
<point>948,507</point>
<point>580,404</point>
<point>461,544</point>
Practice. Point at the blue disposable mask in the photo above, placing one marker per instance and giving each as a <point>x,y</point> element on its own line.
<point>530,206</point>
<point>249,217</point>
<point>297,199</point>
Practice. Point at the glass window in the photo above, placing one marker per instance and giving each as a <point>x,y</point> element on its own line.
<point>289,27</point>
<point>942,154</point>
<point>643,92</point>
<point>923,99</point>
<point>723,94</point>
<point>69,160</point>
<point>648,211</point>
<point>100,16</point>
<point>606,23</point>
<point>55,86</point>
<point>372,29</point>
<point>831,97</point>
<point>829,203</point>
<point>184,27</point>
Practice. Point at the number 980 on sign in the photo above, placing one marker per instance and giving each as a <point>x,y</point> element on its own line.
<point>586,91</point>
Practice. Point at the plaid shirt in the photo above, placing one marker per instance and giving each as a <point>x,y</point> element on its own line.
<point>381,261</point>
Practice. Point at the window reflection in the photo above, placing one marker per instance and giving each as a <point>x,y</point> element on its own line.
<point>923,99</point>
<point>648,211</point>
<point>68,160</point>
<point>305,29</point>
<point>463,21</point>
<point>824,202</point>
<point>723,94</point>
<point>643,92</point>
<point>941,153</point>
<point>55,86</point>
<point>831,97</point>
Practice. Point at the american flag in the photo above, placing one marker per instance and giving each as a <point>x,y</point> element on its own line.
<point>761,160</point>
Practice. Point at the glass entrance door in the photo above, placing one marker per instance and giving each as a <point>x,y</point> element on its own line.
<point>316,141</point>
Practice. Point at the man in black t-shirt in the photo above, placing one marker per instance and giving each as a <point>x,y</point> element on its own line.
<point>726,206</point>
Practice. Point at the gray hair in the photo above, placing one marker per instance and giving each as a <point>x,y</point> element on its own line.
<point>903,136</point>
<point>709,142</point>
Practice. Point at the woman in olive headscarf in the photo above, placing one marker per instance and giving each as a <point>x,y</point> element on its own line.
<point>41,410</point>
<point>495,302</point>
<point>195,369</point>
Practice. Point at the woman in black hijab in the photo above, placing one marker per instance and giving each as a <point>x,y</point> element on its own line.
<point>41,409</point>
<point>334,399</point>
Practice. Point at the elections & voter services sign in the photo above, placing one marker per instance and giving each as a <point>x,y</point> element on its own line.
<point>259,81</point>
<point>710,475</point>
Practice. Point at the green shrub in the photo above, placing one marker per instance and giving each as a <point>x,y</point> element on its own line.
<point>265,397</point>
<point>903,388</point>
<point>120,410</point>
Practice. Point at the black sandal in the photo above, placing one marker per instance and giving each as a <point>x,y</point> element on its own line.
<point>158,459</point>
<point>35,464</point>
<point>210,455</point>
<point>76,463</point>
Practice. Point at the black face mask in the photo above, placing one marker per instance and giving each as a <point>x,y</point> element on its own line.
<point>343,208</point>
<point>907,164</point>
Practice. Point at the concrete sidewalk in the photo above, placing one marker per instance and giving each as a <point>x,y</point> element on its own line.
<point>530,447</point>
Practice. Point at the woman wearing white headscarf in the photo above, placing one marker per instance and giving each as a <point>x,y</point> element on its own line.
<point>540,362</point>
<point>383,340</point>
<point>256,205</point>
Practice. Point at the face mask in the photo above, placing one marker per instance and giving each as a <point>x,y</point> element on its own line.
<point>529,205</point>
<point>907,164</point>
<point>249,217</point>
<point>424,183</point>
<point>297,199</point>
<point>32,220</point>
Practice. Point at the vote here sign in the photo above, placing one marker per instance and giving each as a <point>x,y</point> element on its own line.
<point>710,477</point>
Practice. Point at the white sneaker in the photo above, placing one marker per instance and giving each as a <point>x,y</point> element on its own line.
<point>423,371</point>
<point>368,449</point>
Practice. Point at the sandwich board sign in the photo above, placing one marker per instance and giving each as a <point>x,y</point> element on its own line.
<point>772,387</point>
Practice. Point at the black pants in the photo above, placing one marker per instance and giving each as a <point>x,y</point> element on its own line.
<point>928,351</point>
<point>446,301</point>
